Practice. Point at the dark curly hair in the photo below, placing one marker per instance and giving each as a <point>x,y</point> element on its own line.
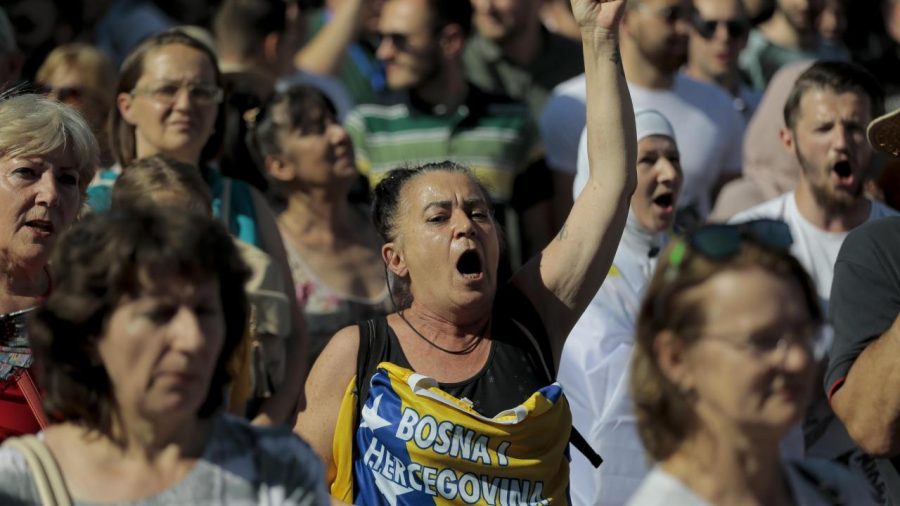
<point>98,263</point>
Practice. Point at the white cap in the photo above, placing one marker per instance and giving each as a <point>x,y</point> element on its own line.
<point>647,122</point>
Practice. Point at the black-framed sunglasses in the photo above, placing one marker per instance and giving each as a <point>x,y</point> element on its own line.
<point>723,241</point>
<point>706,28</point>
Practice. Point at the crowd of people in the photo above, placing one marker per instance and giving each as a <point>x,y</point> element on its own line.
<point>657,236</point>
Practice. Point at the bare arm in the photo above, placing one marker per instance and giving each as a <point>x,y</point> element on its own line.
<point>867,402</point>
<point>324,53</point>
<point>562,280</point>
<point>288,397</point>
<point>325,388</point>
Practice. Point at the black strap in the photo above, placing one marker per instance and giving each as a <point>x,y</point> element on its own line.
<point>581,444</point>
<point>366,337</point>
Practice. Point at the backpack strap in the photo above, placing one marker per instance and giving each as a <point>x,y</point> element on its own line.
<point>47,476</point>
<point>367,336</point>
<point>575,437</point>
<point>33,397</point>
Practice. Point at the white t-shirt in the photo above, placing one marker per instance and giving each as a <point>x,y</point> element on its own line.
<point>593,371</point>
<point>816,249</point>
<point>561,123</point>
<point>662,489</point>
<point>708,130</point>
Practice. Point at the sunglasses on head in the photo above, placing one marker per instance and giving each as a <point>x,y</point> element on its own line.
<point>723,241</point>
<point>719,242</point>
<point>707,28</point>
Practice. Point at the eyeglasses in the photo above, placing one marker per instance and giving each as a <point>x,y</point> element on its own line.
<point>706,28</point>
<point>166,94</point>
<point>776,347</point>
<point>671,14</point>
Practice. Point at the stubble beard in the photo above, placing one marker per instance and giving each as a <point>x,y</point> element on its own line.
<point>827,197</point>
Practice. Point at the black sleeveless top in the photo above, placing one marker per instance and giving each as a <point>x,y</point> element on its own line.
<point>520,361</point>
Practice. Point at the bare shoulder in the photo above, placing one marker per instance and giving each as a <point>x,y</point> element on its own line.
<point>337,362</point>
<point>325,388</point>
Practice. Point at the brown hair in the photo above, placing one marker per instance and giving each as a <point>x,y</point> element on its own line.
<point>837,77</point>
<point>121,132</point>
<point>100,73</point>
<point>145,180</point>
<point>102,260</point>
<point>663,413</point>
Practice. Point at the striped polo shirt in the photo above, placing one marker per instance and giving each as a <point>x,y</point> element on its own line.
<point>491,135</point>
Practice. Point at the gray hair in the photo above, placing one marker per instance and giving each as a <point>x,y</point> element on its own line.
<point>32,125</point>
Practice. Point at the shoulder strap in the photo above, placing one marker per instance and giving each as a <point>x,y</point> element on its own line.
<point>366,337</point>
<point>48,479</point>
<point>575,437</point>
<point>33,397</point>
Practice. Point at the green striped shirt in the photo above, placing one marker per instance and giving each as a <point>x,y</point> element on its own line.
<point>491,135</point>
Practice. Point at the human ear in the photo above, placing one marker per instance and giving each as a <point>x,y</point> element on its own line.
<point>787,139</point>
<point>393,259</point>
<point>671,356</point>
<point>123,103</point>
<point>278,169</point>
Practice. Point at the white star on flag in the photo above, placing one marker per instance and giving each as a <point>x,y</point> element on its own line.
<point>371,418</point>
<point>389,489</point>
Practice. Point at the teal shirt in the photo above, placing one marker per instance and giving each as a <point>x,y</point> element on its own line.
<point>241,220</point>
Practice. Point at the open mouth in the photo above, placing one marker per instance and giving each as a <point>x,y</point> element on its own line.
<point>843,169</point>
<point>844,172</point>
<point>665,201</point>
<point>42,226</point>
<point>469,264</point>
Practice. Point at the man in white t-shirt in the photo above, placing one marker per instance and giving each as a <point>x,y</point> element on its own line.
<point>826,115</point>
<point>593,368</point>
<point>709,130</point>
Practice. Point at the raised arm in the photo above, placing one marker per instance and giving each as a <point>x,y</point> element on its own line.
<point>324,53</point>
<point>562,280</point>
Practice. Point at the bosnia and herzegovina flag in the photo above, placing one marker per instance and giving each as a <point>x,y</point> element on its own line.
<point>417,445</point>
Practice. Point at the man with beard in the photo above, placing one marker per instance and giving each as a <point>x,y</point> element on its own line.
<point>789,36</point>
<point>826,115</point>
<point>653,38</point>
<point>435,114</point>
